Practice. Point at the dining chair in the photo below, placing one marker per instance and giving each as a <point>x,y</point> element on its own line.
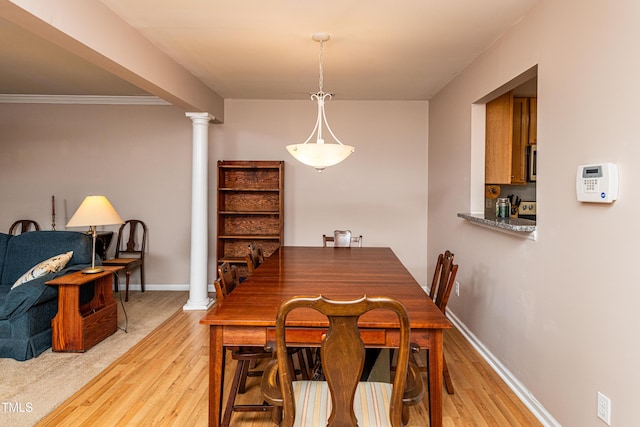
<point>246,357</point>
<point>254,258</point>
<point>132,239</point>
<point>342,239</point>
<point>23,225</point>
<point>444,277</point>
<point>331,402</point>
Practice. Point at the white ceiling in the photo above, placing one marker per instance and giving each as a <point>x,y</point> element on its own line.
<point>33,66</point>
<point>257,49</point>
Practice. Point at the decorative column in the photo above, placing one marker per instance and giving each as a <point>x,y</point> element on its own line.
<point>198,293</point>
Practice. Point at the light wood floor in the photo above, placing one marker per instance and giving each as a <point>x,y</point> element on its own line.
<point>163,381</point>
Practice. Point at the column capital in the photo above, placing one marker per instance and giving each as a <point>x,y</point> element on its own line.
<point>199,117</point>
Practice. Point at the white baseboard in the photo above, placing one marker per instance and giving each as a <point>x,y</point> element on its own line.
<point>514,384</point>
<point>152,287</point>
<point>168,287</point>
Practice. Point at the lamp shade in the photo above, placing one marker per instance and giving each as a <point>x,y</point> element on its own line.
<point>95,210</point>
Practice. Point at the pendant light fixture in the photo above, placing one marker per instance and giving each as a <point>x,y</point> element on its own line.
<point>318,154</point>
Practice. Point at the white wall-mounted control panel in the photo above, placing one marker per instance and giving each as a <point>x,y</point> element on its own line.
<point>597,183</point>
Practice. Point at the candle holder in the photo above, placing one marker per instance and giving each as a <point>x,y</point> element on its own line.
<point>53,213</point>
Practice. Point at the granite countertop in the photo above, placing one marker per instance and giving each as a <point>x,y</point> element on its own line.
<point>512,224</point>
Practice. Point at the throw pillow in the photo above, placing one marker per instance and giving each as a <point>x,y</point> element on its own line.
<point>51,265</point>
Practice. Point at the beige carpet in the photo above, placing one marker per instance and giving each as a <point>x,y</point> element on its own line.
<point>30,390</point>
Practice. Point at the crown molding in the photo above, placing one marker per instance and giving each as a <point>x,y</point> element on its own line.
<point>81,99</point>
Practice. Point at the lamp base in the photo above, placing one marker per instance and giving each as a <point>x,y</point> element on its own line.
<point>93,270</point>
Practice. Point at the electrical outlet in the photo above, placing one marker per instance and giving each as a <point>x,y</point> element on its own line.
<point>457,288</point>
<point>604,408</point>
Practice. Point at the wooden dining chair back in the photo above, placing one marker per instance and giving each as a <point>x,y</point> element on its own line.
<point>444,278</point>
<point>130,250</point>
<point>342,239</point>
<point>228,280</point>
<point>23,225</point>
<point>254,257</point>
<point>342,353</point>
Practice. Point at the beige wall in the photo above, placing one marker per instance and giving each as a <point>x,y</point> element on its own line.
<point>379,191</point>
<point>559,313</point>
<point>137,156</point>
<point>71,151</point>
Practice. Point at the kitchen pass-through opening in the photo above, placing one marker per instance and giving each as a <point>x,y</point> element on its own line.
<point>504,148</point>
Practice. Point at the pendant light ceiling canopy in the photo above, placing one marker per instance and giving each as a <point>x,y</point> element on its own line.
<point>319,154</point>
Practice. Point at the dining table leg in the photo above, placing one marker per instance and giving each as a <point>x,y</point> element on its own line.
<point>216,374</point>
<point>435,378</point>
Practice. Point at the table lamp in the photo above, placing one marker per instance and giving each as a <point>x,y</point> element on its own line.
<point>94,211</point>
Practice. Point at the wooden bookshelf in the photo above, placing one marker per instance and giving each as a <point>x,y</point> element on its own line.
<point>250,208</point>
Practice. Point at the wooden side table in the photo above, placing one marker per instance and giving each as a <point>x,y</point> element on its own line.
<point>78,328</point>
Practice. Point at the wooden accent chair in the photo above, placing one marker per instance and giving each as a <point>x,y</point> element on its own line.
<point>23,225</point>
<point>254,258</point>
<point>342,353</point>
<point>342,239</point>
<point>134,246</point>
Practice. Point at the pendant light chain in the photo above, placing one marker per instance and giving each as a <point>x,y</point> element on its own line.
<point>321,81</point>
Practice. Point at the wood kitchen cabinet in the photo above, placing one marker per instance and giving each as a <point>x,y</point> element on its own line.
<point>250,209</point>
<point>533,121</point>
<point>510,127</point>
<point>499,140</point>
<point>520,140</point>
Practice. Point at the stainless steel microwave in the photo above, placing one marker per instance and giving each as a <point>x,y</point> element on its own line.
<point>533,162</point>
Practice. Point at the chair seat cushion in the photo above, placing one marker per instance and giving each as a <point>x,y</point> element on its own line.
<point>313,403</point>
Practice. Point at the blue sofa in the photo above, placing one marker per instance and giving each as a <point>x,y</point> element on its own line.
<point>27,310</point>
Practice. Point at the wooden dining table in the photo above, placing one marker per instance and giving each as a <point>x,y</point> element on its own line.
<point>247,316</point>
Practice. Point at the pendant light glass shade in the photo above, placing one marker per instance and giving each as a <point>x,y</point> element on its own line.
<point>320,155</point>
